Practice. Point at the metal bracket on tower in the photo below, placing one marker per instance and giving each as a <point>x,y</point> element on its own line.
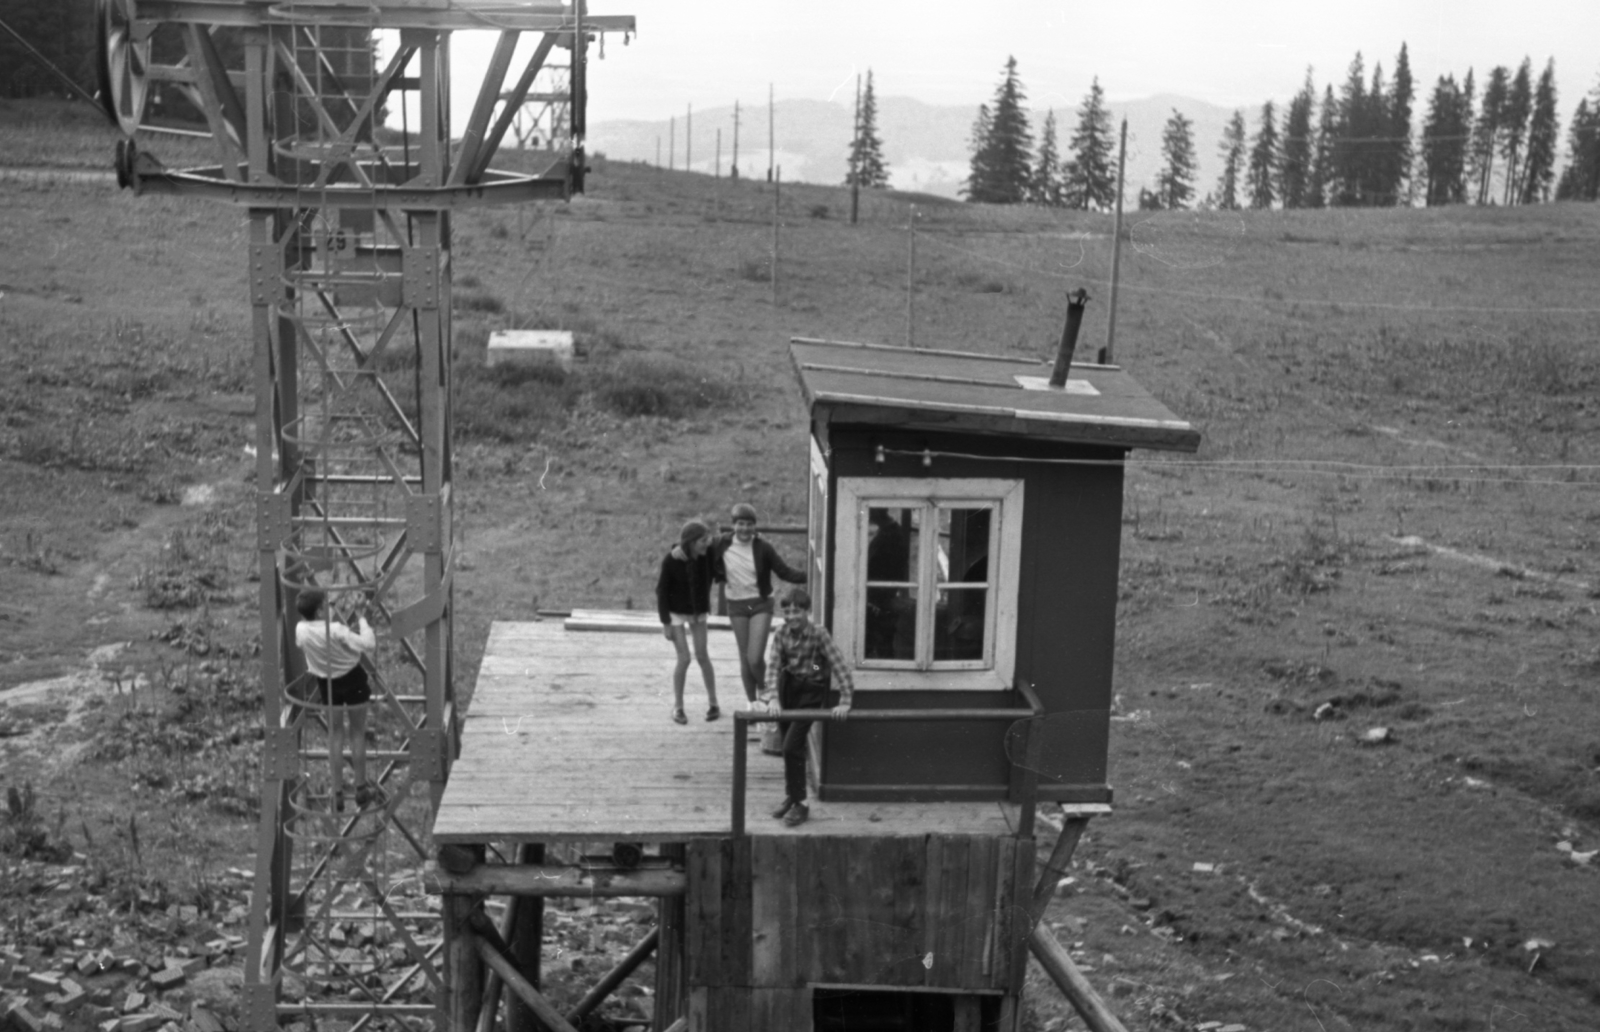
<point>420,277</point>
<point>260,1007</point>
<point>266,279</point>
<point>427,755</point>
<point>425,523</point>
<point>273,520</point>
<point>280,754</point>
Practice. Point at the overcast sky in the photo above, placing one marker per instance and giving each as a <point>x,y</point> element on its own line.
<point>1235,53</point>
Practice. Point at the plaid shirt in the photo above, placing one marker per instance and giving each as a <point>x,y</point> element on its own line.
<point>804,649</point>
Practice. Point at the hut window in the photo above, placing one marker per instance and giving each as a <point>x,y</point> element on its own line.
<point>926,590</point>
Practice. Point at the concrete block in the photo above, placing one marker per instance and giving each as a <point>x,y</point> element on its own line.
<point>19,1018</point>
<point>167,978</point>
<point>133,1002</point>
<point>530,347</point>
<point>139,1023</point>
<point>43,982</point>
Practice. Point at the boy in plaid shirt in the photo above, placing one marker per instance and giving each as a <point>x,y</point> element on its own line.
<point>803,661</point>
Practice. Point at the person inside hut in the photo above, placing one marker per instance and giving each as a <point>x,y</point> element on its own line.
<point>683,601</point>
<point>888,598</point>
<point>745,562</point>
<point>333,649</point>
<point>804,663</point>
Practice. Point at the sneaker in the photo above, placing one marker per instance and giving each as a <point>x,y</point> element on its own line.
<point>782,808</point>
<point>679,717</point>
<point>713,713</point>
<point>797,815</point>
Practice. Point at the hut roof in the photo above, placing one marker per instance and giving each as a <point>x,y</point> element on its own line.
<point>957,391</point>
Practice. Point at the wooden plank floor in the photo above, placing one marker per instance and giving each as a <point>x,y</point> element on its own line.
<point>568,738</point>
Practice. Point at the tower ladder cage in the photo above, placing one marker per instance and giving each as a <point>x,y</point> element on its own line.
<point>349,273</point>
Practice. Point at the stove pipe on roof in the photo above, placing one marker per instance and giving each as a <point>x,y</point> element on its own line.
<point>1069,337</point>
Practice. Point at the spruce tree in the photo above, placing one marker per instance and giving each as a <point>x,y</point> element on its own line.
<point>1175,183</point>
<point>1444,144</point>
<point>1397,150</point>
<point>1373,144</point>
<point>1295,149</point>
<point>1540,159</point>
<point>1350,132</point>
<point>866,150</point>
<point>1091,181</point>
<point>1514,123</point>
<point>1487,130</point>
<point>1320,179</point>
<point>979,173</point>
<point>1232,154</point>
<point>1262,170</point>
<point>1580,180</point>
<point>1002,163</point>
<point>1045,186</point>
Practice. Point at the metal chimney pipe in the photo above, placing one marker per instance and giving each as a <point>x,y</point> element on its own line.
<point>1069,337</point>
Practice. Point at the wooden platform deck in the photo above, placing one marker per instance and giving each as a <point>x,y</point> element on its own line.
<point>568,738</point>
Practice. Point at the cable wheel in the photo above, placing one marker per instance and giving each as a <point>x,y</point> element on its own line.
<point>124,63</point>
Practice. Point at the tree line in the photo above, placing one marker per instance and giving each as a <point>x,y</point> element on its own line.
<point>1353,148</point>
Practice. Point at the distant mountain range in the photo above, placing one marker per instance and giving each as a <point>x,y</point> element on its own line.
<point>925,145</point>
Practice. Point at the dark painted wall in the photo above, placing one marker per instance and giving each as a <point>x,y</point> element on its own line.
<point>1066,622</point>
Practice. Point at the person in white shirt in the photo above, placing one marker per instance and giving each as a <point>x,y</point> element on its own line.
<point>333,652</point>
<point>745,563</point>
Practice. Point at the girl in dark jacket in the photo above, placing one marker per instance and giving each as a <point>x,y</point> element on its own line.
<point>683,600</point>
<point>745,563</point>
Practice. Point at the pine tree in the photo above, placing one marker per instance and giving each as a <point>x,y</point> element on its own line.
<point>1263,160</point>
<point>1580,180</point>
<point>866,150</point>
<point>1295,153</point>
<point>1232,154</point>
<point>1398,152</point>
<point>1373,143</point>
<point>1539,162</point>
<point>1486,132</point>
<point>1175,183</point>
<point>1319,181</point>
<point>1514,122</point>
<point>1090,180</point>
<point>1444,144</point>
<point>1002,163</point>
<point>979,174</point>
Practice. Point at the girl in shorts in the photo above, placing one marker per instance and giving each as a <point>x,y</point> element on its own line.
<point>333,652</point>
<point>745,562</point>
<point>683,600</point>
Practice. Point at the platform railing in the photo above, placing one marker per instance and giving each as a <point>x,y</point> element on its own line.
<point>1030,745</point>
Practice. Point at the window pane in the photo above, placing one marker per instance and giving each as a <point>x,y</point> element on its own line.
<point>892,544</point>
<point>891,623</point>
<point>958,623</point>
<point>964,537</point>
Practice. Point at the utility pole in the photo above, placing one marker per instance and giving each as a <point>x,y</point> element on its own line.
<point>717,174</point>
<point>911,265</point>
<point>672,141</point>
<point>733,169</point>
<point>855,158</point>
<point>1116,251</point>
<point>658,150</point>
<point>771,135</point>
<point>688,140</point>
<point>777,186</point>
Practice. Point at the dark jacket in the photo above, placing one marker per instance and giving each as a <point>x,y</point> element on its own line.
<point>767,560</point>
<point>684,585</point>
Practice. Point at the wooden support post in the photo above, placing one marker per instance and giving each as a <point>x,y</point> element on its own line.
<point>463,971</point>
<point>492,984</point>
<point>911,267</point>
<point>1055,868</point>
<point>527,941</point>
<point>1108,353</point>
<point>672,987</point>
<point>493,954</point>
<point>1065,974</point>
<point>607,985</point>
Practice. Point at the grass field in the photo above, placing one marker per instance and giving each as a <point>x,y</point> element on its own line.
<point>1391,524</point>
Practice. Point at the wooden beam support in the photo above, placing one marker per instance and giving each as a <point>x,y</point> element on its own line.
<point>463,970</point>
<point>1053,957</point>
<point>559,880</point>
<point>607,985</point>
<point>1055,868</point>
<point>492,952</point>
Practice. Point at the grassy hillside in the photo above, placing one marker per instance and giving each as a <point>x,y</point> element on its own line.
<point>1390,525</point>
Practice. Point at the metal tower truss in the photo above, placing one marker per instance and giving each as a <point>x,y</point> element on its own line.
<point>348,273</point>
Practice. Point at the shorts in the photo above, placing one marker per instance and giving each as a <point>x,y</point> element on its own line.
<point>348,689</point>
<point>687,619</point>
<point>748,607</point>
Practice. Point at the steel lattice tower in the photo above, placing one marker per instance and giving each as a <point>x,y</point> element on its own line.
<point>349,277</point>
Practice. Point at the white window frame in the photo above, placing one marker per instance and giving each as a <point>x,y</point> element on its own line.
<point>855,495</point>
